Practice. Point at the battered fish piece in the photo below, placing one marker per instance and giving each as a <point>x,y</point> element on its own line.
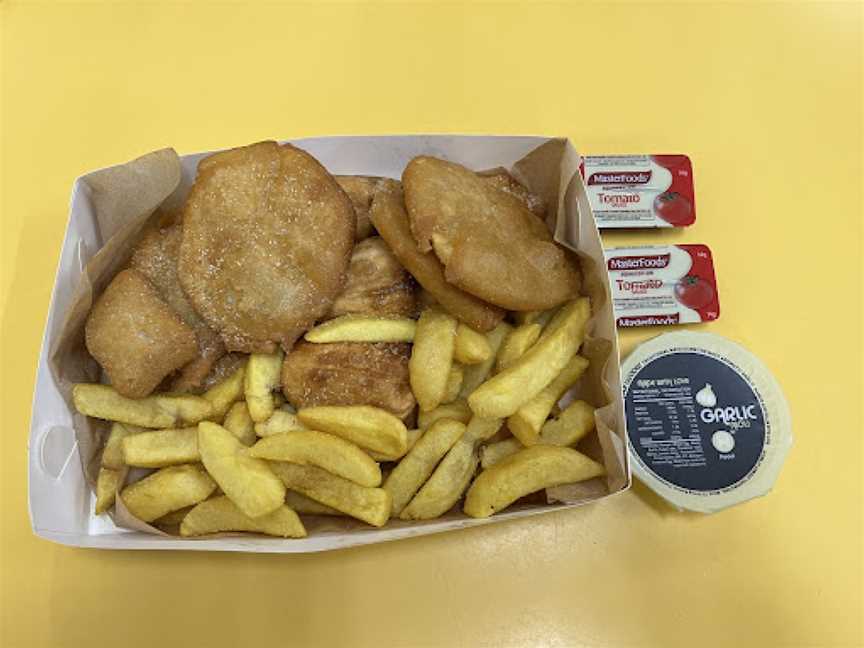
<point>390,219</point>
<point>155,256</point>
<point>135,336</point>
<point>222,368</point>
<point>490,244</point>
<point>377,284</point>
<point>267,237</point>
<point>360,190</point>
<point>501,179</point>
<point>349,373</point>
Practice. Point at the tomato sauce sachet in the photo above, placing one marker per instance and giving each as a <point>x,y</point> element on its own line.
<point>664,284</point>
<point>640,191</point>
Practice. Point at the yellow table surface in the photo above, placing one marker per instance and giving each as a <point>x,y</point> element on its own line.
<point>766,99</point>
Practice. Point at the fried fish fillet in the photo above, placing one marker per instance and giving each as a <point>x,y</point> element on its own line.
<point>360,190</point>
<point>155,256</point>
<point>490,244</point>
<point>135,336</point>
<point>377,284</point>
<point>267,237</point>
<point>390,219</point>
<point>503,180</point>
<point>349,373</point>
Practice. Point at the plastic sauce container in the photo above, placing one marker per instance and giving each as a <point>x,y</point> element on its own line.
<point>708,426</point>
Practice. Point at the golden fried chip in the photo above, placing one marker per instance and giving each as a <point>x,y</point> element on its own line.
<point>474,375</point>
<point>391,220</point>
<point>363,328</point>
<point>280,422</point>
<point>267,236</point>
<point>508,390</point>
<point>571,425</point>
<point>155,256</point>
<point>262,378</point>
<point>471,347</point>
<point>452,476</point>
<point>327,451</point>
<point>112,453</point>
<point>412,436</point>
<point>135,336</point>
<point>249,482</point>
<point>239,423</point>
<point>454,383</point>
<point>457,410</point>
<point>167,490</point>
<point>106,489</point>
<point>157,411</point>
<point>527,471</point>
<point>348,373</point>
<point>371,505</point>
<point>368,427</point>
<point>377,284</point>
<point>162,448</point>
<point>490,244</point>
<point>224,394</point>
<point>416,466</point>
<point>517,342</point>
<point>221,514</point>
<point>360,189</point>
<point>307,506</point>
<point>525,424</point>
<point>432,357</point>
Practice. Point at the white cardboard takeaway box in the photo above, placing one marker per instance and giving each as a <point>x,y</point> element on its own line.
<point>60,498</point>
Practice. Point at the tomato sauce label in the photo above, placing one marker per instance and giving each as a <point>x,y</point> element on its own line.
<point>640,190</point>
<point>661,285</point>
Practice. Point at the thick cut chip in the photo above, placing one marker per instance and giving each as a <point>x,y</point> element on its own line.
<point>167,490</point>
<point>517,342</point>
<point>224,394</point>
<point>221,514</point>
<point>458,410</point>
<point>471,347</point>
<point>172,519</point>
<point>377,284</point>
<point>476,374</point>
<point>281,422</point>
<point>444,488</point>
<point>112,454</point>
<point>267,237</point>
<point>368,427</point>
<point>249,482</point>
<point>534,317</point>
<point>162,448</point>
<point>327,451</point>
<point>527,471</point>
<point>157,411</point>
<point>155,256</point>
<point>106,488</point>
<point>502,180</point>
<point>240,424</point>
<point>307,506</point>
<point>134,335</point>
<point>432,357</point>
<point>262,377</point>
<point>349,373</point>
<point>489,243</point>
<point>526,423</point>
<point>361,190</point>
<point>412,436</point>
<point>371,505</point>
<point>571,426</point>
<point>454,383</point>
<point>415,467</point>
<point>391,221</point>
<point>363,328</point>
<point>507,391</point>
